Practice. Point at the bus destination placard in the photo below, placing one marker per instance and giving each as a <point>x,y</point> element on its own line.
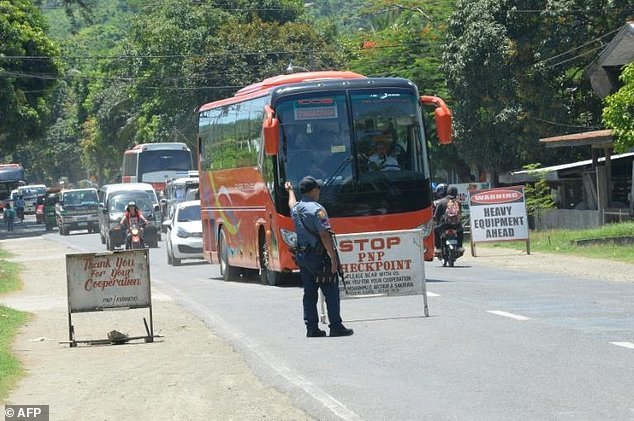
<point>387,263</point>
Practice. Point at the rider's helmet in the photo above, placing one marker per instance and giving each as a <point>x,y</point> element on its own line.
<point>132,205</point>
<point>441,190</point>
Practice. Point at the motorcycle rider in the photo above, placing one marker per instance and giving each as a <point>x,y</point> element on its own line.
<point>440,191</point>
<point>131,216</point>
<point>441,223</point>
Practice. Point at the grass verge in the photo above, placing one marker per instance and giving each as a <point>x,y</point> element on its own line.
<point>9,279</point>
<point>10,322</point>
<point>562,242</point>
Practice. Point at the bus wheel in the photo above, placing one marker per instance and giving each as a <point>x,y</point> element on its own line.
<point>227,271</point>
<point>268,276</point>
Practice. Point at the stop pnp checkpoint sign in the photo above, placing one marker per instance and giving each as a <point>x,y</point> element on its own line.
<point>384,263</point>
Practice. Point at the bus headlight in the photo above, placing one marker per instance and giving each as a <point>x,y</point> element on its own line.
<point>289,237</point>
<point>427,228</point>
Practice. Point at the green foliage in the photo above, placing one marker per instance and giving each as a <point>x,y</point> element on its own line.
<point>538,192</point>
<point>618,113</point>
<point>24,84</point>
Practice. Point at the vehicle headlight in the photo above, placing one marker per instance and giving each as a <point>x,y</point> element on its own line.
<point>289,237</point>
<point>426,228</point>
<point>182,233</point>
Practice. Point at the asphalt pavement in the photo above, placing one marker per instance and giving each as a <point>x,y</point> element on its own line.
<point>499,344</point>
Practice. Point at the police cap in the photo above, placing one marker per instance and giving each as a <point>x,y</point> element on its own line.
<point>308,183</point>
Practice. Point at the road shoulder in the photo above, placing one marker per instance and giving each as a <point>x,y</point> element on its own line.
<point>565,265</point>
<point>188,374</point>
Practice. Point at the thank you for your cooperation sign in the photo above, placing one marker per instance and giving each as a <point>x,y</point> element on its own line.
<point>108,281</point>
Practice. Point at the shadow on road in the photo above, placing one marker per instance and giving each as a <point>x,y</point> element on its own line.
<point>25,229</point>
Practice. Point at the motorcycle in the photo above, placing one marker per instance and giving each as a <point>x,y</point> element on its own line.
<point>136,240</point>
<point>449,252</point>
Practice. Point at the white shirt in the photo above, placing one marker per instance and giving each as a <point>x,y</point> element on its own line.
<point>386,163</point>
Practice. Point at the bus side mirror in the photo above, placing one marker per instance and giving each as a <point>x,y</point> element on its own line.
<point>271,131</point>
<point>442,117</point>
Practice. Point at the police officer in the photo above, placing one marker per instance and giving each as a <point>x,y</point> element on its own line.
<point>314,248</point>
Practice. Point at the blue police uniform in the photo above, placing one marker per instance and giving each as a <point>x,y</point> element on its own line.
<point>315,219</point>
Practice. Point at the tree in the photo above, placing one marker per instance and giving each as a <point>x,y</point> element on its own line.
<point>618,113</point>
<point>29,67</point>
<point>515,72</point>
<point>537,192</point>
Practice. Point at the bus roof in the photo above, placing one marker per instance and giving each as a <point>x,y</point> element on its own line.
<point>157,146</point>
<point>260,88</point>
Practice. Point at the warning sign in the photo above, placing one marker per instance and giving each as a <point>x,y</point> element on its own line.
<point>389,263</point>
<point>498,214</point>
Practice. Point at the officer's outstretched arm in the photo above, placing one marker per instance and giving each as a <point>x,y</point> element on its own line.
<point>292,200</point>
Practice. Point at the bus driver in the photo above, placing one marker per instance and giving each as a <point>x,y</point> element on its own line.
<point>380,160</point>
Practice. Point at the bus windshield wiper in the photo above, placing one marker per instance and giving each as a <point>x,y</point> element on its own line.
<point>338,170</point>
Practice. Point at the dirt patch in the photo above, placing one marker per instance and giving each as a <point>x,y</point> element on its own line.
<point>191,374</point>
<point>574,266</point>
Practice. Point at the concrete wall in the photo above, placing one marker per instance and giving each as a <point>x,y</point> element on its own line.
<point>567,219</point>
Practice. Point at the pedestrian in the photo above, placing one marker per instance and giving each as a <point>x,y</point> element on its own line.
<point>19,207</point>
<point>316,257</point>
<point>9,216</point>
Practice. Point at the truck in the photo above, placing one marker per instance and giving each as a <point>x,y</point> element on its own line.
<point>11,176</point>
<point>76,209</point>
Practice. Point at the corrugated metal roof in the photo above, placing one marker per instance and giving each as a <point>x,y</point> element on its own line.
<point>523,176</point>
<point>597,137</point>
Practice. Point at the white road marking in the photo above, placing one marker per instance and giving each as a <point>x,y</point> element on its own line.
<point>511,315</point>
<point>629,345</point>
<point>276,363</point>
<point>431,294</point>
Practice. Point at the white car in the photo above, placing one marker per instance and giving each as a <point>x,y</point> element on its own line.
<point>185,233</point>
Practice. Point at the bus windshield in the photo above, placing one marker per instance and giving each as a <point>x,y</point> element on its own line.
<point>164,160</point>
<point>367,146</point>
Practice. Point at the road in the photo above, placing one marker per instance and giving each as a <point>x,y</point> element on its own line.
<point>498,345</point>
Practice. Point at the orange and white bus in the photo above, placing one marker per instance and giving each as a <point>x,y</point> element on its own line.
<point>324,124</point>
<point>156,163</point>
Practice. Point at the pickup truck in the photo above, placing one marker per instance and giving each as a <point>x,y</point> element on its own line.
<point>77,210</point>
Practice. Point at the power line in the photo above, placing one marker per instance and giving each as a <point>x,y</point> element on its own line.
<point>576,48</point>
<point>550,66</point>
<point>213,55</point>
<point>554,123</point>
